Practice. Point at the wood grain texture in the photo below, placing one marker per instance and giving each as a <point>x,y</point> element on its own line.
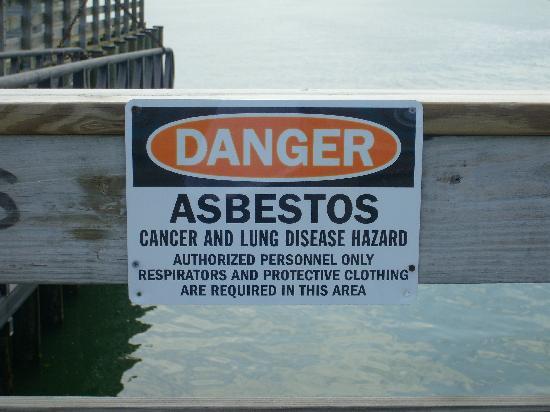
<point>100,112</point>
<point>448,403</point>
<point>485,210</point>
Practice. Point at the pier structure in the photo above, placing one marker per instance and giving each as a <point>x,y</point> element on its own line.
<point>81,44</point>
<point>88,24</point>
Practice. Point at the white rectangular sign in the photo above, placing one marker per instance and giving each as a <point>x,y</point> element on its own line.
<point>273,202</point>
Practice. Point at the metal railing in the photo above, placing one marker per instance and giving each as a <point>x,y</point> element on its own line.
<point>143,69</point>
<point>23,60</point>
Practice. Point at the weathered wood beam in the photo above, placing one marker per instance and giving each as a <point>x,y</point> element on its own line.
<point>100,112</point>
<point>443,403</point>
<point>485,209</point>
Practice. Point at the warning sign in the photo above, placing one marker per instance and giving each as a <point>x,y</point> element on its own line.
<point>273,202</point>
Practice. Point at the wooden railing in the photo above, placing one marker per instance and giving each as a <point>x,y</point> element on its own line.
<point>31,24</point>
<point>485,208</point>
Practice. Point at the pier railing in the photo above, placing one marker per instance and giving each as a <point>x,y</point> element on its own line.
<point>32,24</point>
<point>144,69</point>
<point>485,210</point>
<point>14,62</point>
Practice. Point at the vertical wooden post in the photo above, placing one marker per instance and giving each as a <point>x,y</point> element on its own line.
<point>26,336</point>
<point>126,16</point>
<point>140,41</point>
<point>134,15</point>
<point>82,38</point>
<point>121,46</point>
<point>132,67</point>
<point>95,22</point>
<point>2,34</point>
<point>94,73</point>
<point>142,13</point>
<point>51,306</point>
<point>117,19</point>
<point>2,29</point>
<point>107,20</point>
<point>6,368</point>
<point>26,24</point>
<point>110,49</point>
<point>157,72</point>
<point>149,42</point>
<point>132,43</point>
<point>66,35</point>
<point>168,74</point>
<point>48,24</point>
<point>159,36</point>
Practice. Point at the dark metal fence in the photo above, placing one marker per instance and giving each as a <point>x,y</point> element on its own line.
<point>143,69</point>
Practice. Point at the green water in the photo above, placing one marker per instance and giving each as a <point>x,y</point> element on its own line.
<point>392,44</point>
<point>455,340</point>
<point>91,351</point>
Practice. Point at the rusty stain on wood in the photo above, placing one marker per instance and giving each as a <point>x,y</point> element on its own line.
<point>88,234</point>
<point>105,194</point>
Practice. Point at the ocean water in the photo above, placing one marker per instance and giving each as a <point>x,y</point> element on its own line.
<point>273,44</point>
<point>455,340</point>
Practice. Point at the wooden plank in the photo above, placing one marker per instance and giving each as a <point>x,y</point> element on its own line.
<point>446,403</point>
<point>101,111</point>
<point>485,209</point>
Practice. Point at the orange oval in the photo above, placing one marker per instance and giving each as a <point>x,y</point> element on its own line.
<point>273,147</point>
